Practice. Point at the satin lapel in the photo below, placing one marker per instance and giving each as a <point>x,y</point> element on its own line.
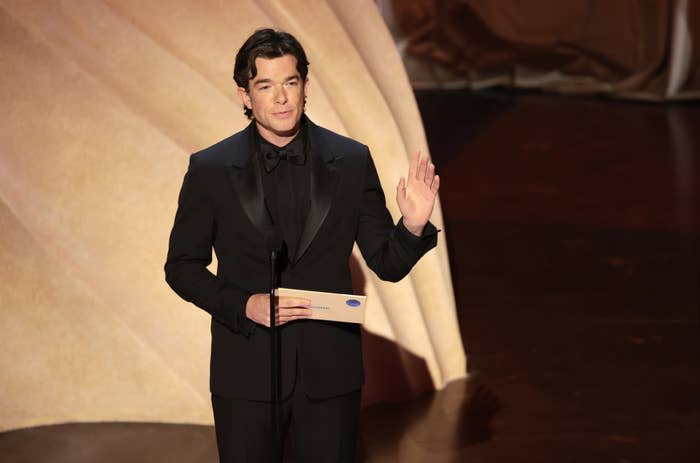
<point>248,186</point>
<point>325,178</point>
<point>246,179</point>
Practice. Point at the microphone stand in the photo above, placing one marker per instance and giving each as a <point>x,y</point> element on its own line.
<point>274,364</point>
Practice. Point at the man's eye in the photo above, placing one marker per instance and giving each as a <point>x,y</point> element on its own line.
<point>263,87</point>
<point>293,83</point>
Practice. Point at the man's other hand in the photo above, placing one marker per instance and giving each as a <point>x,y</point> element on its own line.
<point>287,309</point>
<point>416,194</point>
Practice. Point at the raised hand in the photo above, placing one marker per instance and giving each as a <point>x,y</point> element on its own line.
<point>416,195</point>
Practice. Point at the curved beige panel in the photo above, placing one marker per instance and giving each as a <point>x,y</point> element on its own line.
<point>102,104</point>
<point>432,275</point>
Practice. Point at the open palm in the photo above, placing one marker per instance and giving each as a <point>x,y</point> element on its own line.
<point>416,194</point>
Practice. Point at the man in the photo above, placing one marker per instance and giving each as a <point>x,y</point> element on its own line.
<point>322,191</point>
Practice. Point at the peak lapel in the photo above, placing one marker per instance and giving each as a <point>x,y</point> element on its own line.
<point>246,180</point>
<point>324,180</point>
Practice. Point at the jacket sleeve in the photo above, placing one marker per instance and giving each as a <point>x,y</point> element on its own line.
<point>189,254</point>
<point>389,250</point>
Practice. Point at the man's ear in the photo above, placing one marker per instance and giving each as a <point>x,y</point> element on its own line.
<point>245,98</point>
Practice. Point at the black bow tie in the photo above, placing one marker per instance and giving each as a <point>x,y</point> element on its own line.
<point>293,152</point>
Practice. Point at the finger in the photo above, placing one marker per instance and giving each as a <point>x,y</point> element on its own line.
<point>279,319</point>
<point>422,168</point>
<point>401,188</point>
<point>289,319</point>
<point>435,186</point>
<point>285,319</point>
<point>288,301</point>
<point>413,168</point>
<point>294,312</point>
<point>430,174</point>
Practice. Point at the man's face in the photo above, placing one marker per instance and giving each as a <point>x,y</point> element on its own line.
<point>276,97</point>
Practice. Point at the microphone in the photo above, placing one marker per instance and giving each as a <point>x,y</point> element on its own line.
<point>273,240</point>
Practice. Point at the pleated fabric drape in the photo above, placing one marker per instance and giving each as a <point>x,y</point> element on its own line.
<point>633,49</point>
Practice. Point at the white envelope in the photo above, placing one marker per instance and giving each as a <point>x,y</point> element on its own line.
<point>331,306</point>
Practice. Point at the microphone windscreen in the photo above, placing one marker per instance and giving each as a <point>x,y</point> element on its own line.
<point>273,239</point>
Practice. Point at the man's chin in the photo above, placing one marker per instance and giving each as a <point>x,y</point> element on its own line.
<point>279,133</point>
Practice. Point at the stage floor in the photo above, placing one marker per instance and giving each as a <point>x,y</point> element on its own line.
<point>572,230</point>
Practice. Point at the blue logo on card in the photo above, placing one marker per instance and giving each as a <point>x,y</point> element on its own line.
<point>353,303</point>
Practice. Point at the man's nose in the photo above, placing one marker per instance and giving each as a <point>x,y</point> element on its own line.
<point>281,96</point>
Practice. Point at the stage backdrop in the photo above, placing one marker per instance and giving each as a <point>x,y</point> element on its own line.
<point>102,103</point>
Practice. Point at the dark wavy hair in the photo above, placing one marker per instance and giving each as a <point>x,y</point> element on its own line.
<point>266,43</point>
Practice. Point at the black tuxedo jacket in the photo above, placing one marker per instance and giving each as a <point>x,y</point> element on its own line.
<point>222,206</point>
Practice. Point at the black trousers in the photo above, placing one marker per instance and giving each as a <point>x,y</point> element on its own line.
<point>321,430</point>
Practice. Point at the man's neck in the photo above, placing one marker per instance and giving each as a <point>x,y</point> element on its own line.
<point>278,140</point>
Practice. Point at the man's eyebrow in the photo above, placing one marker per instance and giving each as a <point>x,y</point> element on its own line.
<point>267,80</point>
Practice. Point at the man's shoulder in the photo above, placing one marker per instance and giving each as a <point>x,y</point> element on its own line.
<point>229,151</point>
<point>233,150</point>
<point>340,145</point>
